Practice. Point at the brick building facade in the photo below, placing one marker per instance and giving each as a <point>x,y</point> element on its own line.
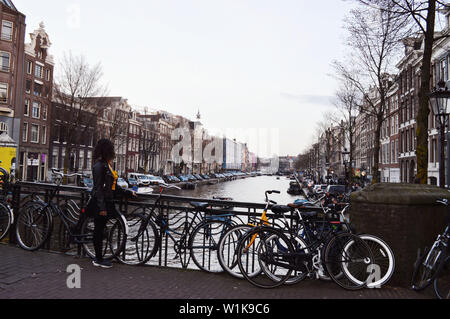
<point>36,115</point>
<point>12,50</point>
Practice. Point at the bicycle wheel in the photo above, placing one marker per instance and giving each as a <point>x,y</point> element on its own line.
<point>269,250</point>
<point>442,281</point>
<point>426,268</point>
<point>114,238</point>
<point>64,238</point>
<point>298,275</point>
<point>384,260</point>
<point>142,243</point>
<point>204,243</point>
<point>117,237</point>
<point>5,220</point>
<point>34,226</point>
<point>348,260</point>
<point>227,251</point>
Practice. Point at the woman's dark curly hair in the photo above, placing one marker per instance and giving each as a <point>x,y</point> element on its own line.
<point>104,151</point>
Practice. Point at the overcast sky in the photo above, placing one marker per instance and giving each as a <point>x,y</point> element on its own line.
<point>244,64</point>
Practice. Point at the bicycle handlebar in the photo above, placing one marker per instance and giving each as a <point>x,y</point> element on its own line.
<point>269,193</point>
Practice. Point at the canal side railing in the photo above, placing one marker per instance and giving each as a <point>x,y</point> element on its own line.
<point>170,206</point>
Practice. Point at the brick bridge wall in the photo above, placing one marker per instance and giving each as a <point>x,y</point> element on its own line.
<point>406,216</point>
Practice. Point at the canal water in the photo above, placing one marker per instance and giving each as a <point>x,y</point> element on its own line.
<point>250,190</point>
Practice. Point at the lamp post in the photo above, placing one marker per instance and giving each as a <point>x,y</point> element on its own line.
<point>439,105</point>
<point>363,179</point>
<point>346,159</point>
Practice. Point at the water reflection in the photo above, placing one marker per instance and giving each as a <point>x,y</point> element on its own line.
<point>250,190</point>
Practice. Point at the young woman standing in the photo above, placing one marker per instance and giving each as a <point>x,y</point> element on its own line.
<point>103,194</point>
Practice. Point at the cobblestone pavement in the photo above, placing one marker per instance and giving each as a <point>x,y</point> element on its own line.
<point>42,275</point>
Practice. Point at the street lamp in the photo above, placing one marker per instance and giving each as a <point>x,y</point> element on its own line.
<point>439,105</point>
<point>346,159</point>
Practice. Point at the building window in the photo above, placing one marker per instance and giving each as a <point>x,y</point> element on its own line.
<point>34,133</point>
<point>25,132</point>
<point>81,160</point>
<point>37,89</point>
<point>44,134</point>
<point>7,30</point>
<point>38,71</point>
<point>55,157</point>
<point>44,112</point>
<point>28,86</point>
<point>3,92</point>
<point>26,108</point>
<point>89,160</point>
<point>432,148</point>
<point>91,140</point>
<point>48,75</point>
<point>5,62</point>
<point>36,110</point>
<point>407,111</point>
<point>3,127</point>
<point>29,67</point>
<point>63,156</point>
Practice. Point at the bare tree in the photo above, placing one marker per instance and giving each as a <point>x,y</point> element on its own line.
<point>421,15</point>
<point>75,85</point>
<point>348,104</point>
<point>374,40</point>
<point>150,142</point>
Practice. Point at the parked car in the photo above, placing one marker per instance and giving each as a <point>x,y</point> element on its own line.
<point>142,180</point>
<point>132,182</point>
<point>320,188</point>
<point>169,179</point>
<point>155,180</point>
<point>183,178</point>
<point>122,183</point>
<point>205,176</point>
<point>336,190</point>
<point>175,179</point>
<point>199,177</point>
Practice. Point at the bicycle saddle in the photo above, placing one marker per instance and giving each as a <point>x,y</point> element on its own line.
<point>279,210</point>
<point>199,205</point>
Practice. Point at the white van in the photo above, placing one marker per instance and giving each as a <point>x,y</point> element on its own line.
<point>142,180</point>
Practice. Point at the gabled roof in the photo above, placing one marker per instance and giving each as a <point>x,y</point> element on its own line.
<point>9,4</point>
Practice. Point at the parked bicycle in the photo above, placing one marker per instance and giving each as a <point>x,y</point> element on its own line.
<point>314,219</point>
<point>35,224</point>
<point>433,266</point>
<point>227,246</point>
<point>6,214</point>
<point>384,259</point>
<point>194,233</point>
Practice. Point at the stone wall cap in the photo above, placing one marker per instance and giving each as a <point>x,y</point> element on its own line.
<point>400,194</point>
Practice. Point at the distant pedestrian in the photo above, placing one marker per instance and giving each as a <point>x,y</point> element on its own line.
<point>105,190</point>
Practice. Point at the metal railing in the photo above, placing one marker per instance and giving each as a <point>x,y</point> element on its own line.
<point>170,206</point>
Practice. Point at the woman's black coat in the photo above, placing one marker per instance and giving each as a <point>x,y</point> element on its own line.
<point>102,192</point>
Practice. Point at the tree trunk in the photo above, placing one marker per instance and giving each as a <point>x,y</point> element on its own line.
<point>66,163</point>
<point>376,159</point>
<point>424,110</point>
